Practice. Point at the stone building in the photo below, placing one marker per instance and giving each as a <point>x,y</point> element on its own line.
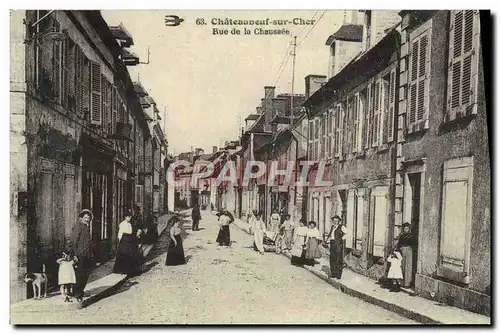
<point>73,109</point>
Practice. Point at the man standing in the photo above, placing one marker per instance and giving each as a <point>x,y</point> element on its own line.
<point>196,216</point>
<point>81,243</point>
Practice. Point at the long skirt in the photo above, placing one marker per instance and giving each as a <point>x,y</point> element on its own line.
<point>258,238</point>
<point>175,254</point>
<point>313,251</point>
<point>224,237</point>
<point>407,265</point>
<point>336,258</point>
<point>298,254</point>
<point>289,239</point>
<point>128,259</point>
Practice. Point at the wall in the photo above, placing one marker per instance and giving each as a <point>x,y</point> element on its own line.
<point>345,51</point>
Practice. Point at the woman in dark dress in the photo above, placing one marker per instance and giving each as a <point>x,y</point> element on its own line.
<point>405,244</point>
<point>175,253</point>
<point>299,245</point>
<point>128,258</point>
<point>336,237</point>
<point>224,236</point>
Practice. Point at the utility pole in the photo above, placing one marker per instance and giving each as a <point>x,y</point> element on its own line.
<point>293,54</point>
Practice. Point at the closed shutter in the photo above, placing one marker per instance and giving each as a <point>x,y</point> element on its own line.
<point>360,207</point>
<point>376,113</point>
<point>368,118</point>
<point>311,140</point>
<point>66,63</point>
<point>380,221</point>
<point>419,82</point>
<point>351,208</point>
<point>56,70</point>
<point>392,107</point>
<point>456,220</point>
<point>340,150</point>
<point>95,82</point>
<point>356,125</point>
<point>463,63</point>
<point>384,109</point>
<point>330,132</point>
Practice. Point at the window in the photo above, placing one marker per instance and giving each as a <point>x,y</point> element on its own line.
<point>57,66</point>
<point>463,64</point>
<point>95,79</point>
<point>351,208</point>
<point>347,126</point>
<point>41,27</point>
<point>379,220</point>
<point>357,122</point>
<point>384,108</point>
<point>311,140</point>
<point>363,110</point>
<point>81,78</point>
<point>391,110</point>
<point>418,106</point>
<point>323,135</point>
<point>339,124</point>
<point>68,86</point>
<point>456,219</point>
<point>330,133</point>
<point>368,27</point>
<point>368,116</point>
<point>316,138</point>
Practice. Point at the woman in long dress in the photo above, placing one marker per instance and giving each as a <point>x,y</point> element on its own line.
<point>299,244</point>
<point>275,221</point>
<point>259,229</point>
<point>175,252</point>
<point>288,227</point>
<point>224,236</point>
<point>128,259</point>
<point>405,244</point>
<point>313,240</point>
<point>337,236</point>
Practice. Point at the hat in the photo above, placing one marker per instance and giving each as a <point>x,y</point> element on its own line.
<point>86,212</point>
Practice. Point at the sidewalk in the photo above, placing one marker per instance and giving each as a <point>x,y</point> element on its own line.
<point>412,307</point>
<point>102,282</point>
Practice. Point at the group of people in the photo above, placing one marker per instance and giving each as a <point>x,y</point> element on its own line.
<point>76,261</point>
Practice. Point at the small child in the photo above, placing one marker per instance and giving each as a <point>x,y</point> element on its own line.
<point>66,277</point>
<point>395,273</point>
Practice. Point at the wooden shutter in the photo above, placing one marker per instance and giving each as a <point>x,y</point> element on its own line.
<point>368,119</point>
<point>80,80</point>
<point>392,107</point>
<point>351,208</point>
<point>95,83</point>
<point>359,220</point>
<point>376,114</point>
<point>336,125</point>
<point>380,221</point>
<point>357,121</point>
<point>463,63</point>
<point>340,150</point>
<point>419,82</point>
<point>56,70</point>
<point>456,219</point>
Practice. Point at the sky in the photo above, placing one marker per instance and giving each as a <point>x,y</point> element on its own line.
<point>207,83</point>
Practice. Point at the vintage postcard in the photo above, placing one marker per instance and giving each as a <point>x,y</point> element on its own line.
<point>250,167</point>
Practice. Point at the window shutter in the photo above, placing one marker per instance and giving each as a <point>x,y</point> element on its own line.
<point>456,219</point>
<point>462,72</point>
<point>392,106</point>
<point>95,82</point>
<point>350,217</point>
<point>341,130</point>
<point>56,69</point>
<point>376,116</point>
<point>356,111</point>
<point>359,225</point>
<point>66,63</point>
<point>348,126</point>
<point>368,119</point>
<point>336,125</point>
<point>380,223</point>
<point>79,80</point>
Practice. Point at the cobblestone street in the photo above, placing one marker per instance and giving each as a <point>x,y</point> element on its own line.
<point>221,286</point>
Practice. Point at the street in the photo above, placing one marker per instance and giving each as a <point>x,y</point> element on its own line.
<point>221,286</point>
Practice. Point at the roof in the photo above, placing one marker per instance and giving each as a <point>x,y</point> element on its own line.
<point>378,57</point>
<point>139,89</point>
<point>348,32</point>
<point>252,117</point>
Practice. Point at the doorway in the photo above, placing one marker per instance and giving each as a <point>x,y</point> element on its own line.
<point>414,180</point>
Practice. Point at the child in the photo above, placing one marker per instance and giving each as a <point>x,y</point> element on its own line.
<point>395,273</point>
<point>66,275</point>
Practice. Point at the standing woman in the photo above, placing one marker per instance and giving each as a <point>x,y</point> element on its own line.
<point>337,236</point>
<point>224,237</point>
<point>299,244</point>
<point>128,259</point>
<point>313,240</point>
<point>288,227</point>
<point>258,229</point>
<point>175,253</point>
<point>275,221</point>
<point>405,244</point>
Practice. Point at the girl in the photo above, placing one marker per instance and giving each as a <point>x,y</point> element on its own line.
<point>66,277</point>
<point>258,229</point>
<point>313,239</point>
<point>299,245</point>
<point>395,273</point>
<point>175,253</point>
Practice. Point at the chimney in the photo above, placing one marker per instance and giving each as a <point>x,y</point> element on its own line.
<point>259,110</point>
<point>269,92</point>
<point>313,83</point>
<point>375,23</point>
<point>279,106</point>
<point>214,149</point>
<point>199,151</point>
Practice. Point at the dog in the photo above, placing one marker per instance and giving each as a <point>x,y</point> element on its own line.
<point>37,281</point>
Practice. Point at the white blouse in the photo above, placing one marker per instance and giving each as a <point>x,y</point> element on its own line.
<point>302,231</point>
<point>313,233</point>
<point>224,220</point>
<point>124,227</point>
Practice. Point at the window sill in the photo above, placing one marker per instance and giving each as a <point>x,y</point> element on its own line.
<point>455,124</point>
<point>453,275</point>
<point>383,148</point>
